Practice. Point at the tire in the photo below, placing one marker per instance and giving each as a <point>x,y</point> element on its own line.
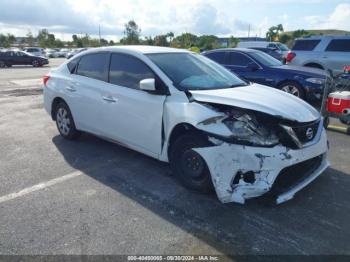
<point>326,122</point>
<point>293,88</point>
<point>2,64</point>
<point>188,166</point>
<point>65,122</point>
<point>35,63</point>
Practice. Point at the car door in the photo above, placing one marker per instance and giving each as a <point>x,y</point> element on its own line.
<point>130,115</point>
<point>337,55</point>
<point>245,67</point>
<point>83,88</point>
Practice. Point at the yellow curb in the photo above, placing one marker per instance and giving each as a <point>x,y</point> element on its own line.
<point>341,128</point>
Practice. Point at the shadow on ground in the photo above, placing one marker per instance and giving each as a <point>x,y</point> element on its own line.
<point>316,221</point>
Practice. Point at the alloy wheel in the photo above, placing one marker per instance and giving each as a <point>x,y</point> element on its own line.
<point>291,90</point>
<point>63,121</point>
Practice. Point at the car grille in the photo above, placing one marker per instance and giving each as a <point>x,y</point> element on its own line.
<point>299,135</point>
<point>292,175</point>
<point>306,133</point>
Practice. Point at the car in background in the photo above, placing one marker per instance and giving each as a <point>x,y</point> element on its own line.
<point>75,52</point>
<point>271,52</point>
<point>323,52</point>
<point>274,46</point>
<point>51,52</point>
<point>216,131</point>
<point>61,52</point>
<point>259,67</point>
<point>36,51</point>
<point>10,58</point>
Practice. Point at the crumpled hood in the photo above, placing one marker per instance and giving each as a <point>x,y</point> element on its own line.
<point>260,98</point>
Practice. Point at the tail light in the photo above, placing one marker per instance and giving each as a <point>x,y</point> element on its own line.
<point>347,69</point>
<point>45,79</point>
<point>290,57</point>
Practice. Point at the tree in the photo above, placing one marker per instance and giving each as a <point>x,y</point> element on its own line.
<point>131,33</point>
<point>185,40</point>
<point>43,36</point>
<point>7,40</point>
<point>207,42</point>
<point>148,41</point>
<point>273,33</point>
<point>300,33</point>
<point>285,38</point>
<point>161,40</point>
<point>170,35</point>
<point>103,42</point>
<point>233,41</point>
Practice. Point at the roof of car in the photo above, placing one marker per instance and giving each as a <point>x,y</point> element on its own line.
<point>248,50</point>
<point>144,49</point>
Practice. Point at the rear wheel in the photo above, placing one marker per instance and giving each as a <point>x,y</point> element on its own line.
<point>35,63</point>
<point>188,166</point>
<point>65,123</point>
<point>2,64</point>
<point>293,88</point>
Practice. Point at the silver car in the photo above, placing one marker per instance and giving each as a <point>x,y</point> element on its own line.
<point>324,52</point>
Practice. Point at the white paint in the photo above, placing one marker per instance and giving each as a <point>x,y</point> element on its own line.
<point>40,186</point>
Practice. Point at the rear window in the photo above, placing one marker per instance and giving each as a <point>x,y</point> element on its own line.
<point>94,66</point>
<point>339,45</point>
<point>305,45</point>
<point>218,57</point>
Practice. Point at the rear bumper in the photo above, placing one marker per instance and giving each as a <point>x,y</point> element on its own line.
<point>230,163</point>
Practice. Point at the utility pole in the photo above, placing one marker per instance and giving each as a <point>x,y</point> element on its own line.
<point>249,31</point>
<point>99,32</point>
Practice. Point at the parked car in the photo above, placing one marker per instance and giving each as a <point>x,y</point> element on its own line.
<point>62,52</point>
<point>51,53</point>
<point>271,52</point>
<point>36,51</point>
<point>258,67</point>
<point>10,58</point>
<point>324,52</point>
<point>274,46</point>
<point>213,128</point>
<point>75,52</point>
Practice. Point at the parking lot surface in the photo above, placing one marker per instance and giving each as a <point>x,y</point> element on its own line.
<point>93,197</point>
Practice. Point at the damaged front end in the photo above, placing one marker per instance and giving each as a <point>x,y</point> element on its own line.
<point>254,153</point>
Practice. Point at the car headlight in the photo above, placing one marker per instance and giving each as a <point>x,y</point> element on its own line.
<point>313,80</point>
<point>247,130</point>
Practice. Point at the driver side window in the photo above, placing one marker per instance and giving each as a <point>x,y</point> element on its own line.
<point>128,71</point>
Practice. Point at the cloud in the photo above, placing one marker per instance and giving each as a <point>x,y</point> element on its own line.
<point>338,19</point>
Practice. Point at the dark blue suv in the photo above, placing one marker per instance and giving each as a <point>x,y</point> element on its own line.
<point>259,67</point>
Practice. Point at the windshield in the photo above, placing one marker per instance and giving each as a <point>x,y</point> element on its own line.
<point>265,59</point>
<point>195,72</point>
<point>282,47</point>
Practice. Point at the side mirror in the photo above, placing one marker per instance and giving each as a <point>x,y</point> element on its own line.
<point>252,66</point>
<point>148,84</point>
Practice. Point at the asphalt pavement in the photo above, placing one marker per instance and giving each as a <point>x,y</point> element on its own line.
<point>93,197</point>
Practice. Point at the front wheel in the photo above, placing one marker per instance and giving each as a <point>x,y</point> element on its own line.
<point>2,64</point>
<point>293,89</point>
<point>65,123</point>
<point>188,166</point>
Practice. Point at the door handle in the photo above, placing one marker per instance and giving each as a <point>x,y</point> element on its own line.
<point>109,99</point>
<point>70,89</point>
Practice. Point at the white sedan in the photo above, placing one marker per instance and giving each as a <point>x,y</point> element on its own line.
<point>216,131</point>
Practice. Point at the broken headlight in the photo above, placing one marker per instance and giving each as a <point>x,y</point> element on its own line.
<point>247,130</point>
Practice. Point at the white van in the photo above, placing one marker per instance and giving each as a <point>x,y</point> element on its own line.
<point>277,46</point>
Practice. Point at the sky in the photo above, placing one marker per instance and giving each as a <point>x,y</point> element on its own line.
<point>218,17</point>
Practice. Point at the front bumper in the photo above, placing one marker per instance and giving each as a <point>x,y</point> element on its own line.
<point>227,161</point>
